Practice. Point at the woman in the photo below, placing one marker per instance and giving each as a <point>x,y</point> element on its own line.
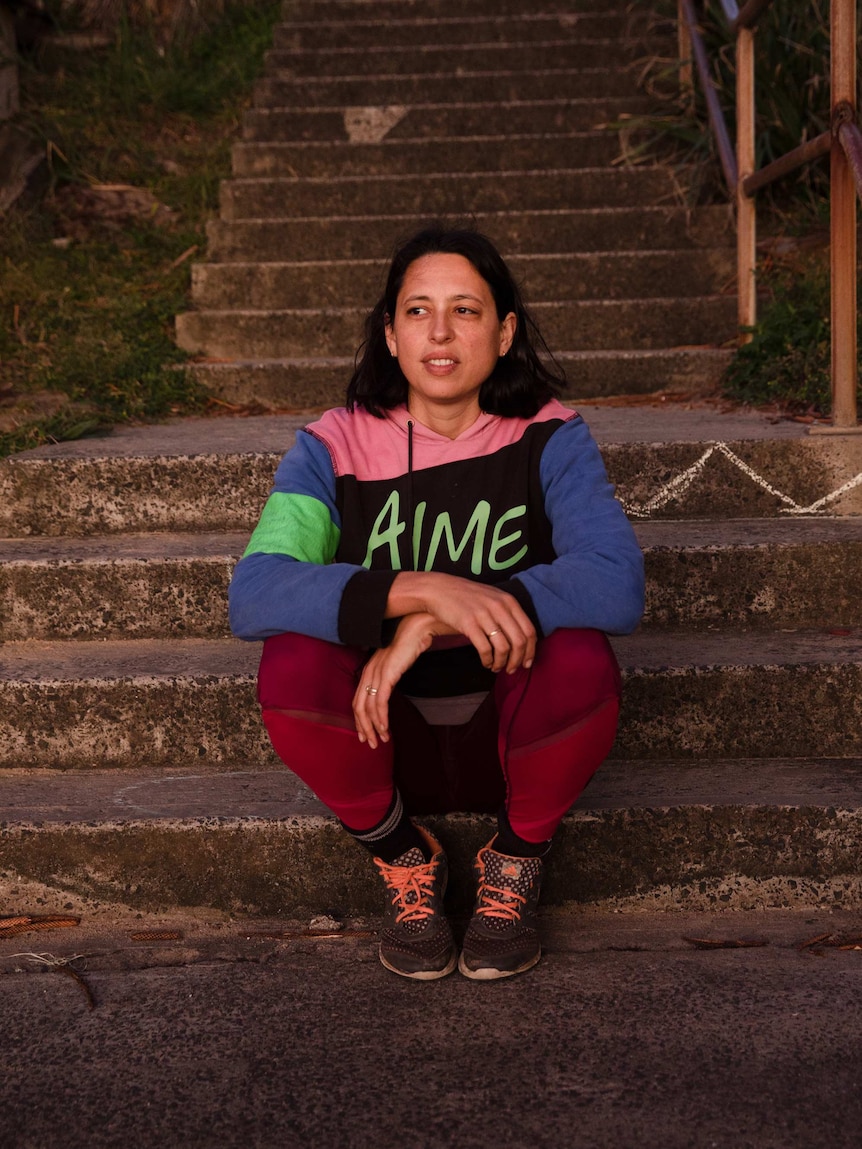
<point>432,576</point>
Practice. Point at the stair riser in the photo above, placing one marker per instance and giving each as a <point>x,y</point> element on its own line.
<point>278,386</point>
<point>452,59</point>
<point>624,229</point>
<point>737,480</point>
<point>814,585</point>
<point>740,857</point>
<point>327,11</point>
<point>601,276</point>
<point>337,161</point>
<point>589,82</point>
<point>115,599</point>
<point>463,194</point>
<point>373,32</point>
<point>341,124</point>
<point>729,712</point>
<point>575,326</point>
<point>226,492</point>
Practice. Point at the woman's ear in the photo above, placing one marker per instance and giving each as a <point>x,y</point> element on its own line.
<point>389,332</point>
<point>507,332</point>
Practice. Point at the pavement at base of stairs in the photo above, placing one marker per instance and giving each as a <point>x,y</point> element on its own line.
<point>639,423</point>
<point>252,1035</point>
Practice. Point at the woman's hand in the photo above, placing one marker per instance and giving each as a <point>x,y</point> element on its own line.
<point>493,620</point>
<point>385,667</point>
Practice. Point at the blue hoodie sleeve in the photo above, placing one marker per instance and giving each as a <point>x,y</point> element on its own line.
<point>287,579</point>
<point>597,580</point>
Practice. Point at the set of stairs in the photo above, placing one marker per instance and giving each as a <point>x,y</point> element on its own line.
<point>134,771</point>
<point>373,118</point>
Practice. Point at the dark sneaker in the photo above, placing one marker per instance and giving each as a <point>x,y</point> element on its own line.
<point>416,940</point>
<point>502,938</point>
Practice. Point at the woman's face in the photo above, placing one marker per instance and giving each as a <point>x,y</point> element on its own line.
<point>446,335</point>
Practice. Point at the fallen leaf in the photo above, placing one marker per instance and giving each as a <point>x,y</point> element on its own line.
<point>726,943</point>
<point>157,936</point>
<point>22,924</point>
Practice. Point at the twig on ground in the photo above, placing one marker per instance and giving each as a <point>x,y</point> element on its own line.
<point>62,965</point>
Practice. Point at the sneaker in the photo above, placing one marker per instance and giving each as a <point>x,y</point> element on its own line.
<point>416,940</point>
<point>502,938</point>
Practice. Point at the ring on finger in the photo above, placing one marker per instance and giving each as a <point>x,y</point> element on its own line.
<point>491,633</point>
<point>370,689</point>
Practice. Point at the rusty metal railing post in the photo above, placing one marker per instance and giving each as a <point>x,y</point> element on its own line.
<point>843,221</point>
<point>746,208</point>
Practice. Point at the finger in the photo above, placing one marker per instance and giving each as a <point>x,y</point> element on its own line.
<point>478,635</point>
<point>500,648</point>
<point>523,646</point>
<point>365,727</point>
<point>378,711</point>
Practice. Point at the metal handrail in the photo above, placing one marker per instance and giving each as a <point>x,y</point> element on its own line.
<point>843,143</point>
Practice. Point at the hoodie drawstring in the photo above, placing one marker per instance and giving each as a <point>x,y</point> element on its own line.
<point>410,559</point>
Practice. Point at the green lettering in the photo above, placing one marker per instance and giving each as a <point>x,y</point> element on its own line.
<point>382,536</point>
<point>498,541</point>
<point>418,519</point>
<point>443,526</point>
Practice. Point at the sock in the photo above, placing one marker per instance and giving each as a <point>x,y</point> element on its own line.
<point>508,842</point>
<point>394,839</point>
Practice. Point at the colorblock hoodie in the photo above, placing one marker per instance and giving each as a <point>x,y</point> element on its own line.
<point>521,503</point>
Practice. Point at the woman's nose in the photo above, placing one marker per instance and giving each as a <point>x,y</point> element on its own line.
<point>441,328</point>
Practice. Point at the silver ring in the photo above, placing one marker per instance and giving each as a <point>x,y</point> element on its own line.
<point>491,633</point>
<point>370,689</point>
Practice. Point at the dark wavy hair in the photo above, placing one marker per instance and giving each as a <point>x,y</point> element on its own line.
<point>520,383</point>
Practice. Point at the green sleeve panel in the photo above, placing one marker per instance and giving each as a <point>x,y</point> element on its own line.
<point>295,525</point>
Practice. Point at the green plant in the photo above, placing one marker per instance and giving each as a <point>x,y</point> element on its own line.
<point>788,360</point>
<point>90,279</point>
<point>791,98</point>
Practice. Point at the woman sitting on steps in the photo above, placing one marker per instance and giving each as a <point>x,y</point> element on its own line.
<point>432,577</point>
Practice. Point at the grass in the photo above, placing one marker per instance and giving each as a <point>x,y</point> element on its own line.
<point>91,278</point>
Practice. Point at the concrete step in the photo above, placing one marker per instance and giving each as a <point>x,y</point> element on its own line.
<point>706,834</point>
<point>291,384</point>
<point>121,586</point>
<point>237,239</point>
<point>588,325</point>
<point>755,574</point>
<point>451,59</point>
<point>447,193</point>
<point>156,703</point>
<point>545,27</point>
<point>350,11</point>
<point>586,82</point>
<point>668,462</point>
<point>485,153</point>
<point>594,275</point>
<point>454,121</point>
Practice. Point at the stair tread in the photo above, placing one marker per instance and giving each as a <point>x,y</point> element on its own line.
<point>169,546</point>
<point>220,658</point>
<point>184,794</point>
<point>258,434</point>
<point>651,301</point>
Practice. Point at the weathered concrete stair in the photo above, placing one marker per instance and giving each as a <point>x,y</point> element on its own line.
<point>133,768</point>
<point>371,119</point>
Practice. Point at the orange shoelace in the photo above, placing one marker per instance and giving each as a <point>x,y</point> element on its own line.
<point>495,907</point>
<point>406,880</point>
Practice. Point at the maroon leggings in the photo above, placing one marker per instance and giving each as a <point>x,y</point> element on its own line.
<point>534,743</point>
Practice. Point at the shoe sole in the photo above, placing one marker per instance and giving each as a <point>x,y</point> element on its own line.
<point>424,974</point>
<point>488,973</point>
